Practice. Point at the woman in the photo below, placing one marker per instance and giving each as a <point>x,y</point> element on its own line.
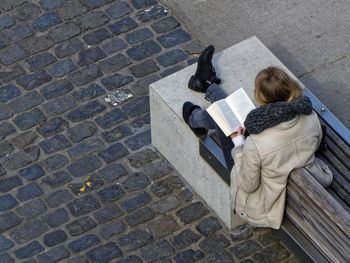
<point>284,134</point>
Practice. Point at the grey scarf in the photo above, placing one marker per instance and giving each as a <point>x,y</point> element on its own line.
<point>272,114</point>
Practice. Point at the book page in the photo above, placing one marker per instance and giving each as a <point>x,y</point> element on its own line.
<point>240,104</point>
<point>224,117</point>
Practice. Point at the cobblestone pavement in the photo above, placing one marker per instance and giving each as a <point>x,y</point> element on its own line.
<point>79,179</point>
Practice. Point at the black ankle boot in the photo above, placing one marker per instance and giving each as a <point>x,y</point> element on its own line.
<point>187,110</point>
<point>205,73</point>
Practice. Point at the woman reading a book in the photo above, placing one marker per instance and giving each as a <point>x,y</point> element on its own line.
<point>284,134</point>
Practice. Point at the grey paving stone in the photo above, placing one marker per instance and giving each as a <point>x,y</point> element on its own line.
<point>17,33</point>
<point>85,75</point>
<point>192,212</point>
<point>171,70</point>
<point>158,169</point>
<point>90,55</point>
<point>7,202</point>
<point>92,183</point>
<point>80,226</point>
<point>136,182</point>
<point>153,13</point>
<point>163,226</point>
<point>112,172</point>
<point>130,259</point>
<point>57,179</point>
<point>11,73</point>
<point>92,20</point>
<point>6,21</point>
<point>28,230</point>
<point>8,220</point>
<point>113,153</point>
<point>5,243</point>
<point>107,213</point>
<point>110,194</point>
<point>40,61</point>
<point>56,89</point>
<point>188,256</point>
<point>141,158</point>
<point>31,209</point>
<point>24,139</point>
<point>245,248</point>
<point>138,4</point>
<point>165,204</point>
<point>116,81</point>
<point>58,197</point>
<point>135,201</point>
<point>104,253</point>
<point>158,250</point>
<point>72,9</point>
<point>140,216</point>
<point>167,186</point>
<point>208,226</point>
<point>9,92</point>
<point>116,133</point>
<point>6,258</point>
<point>20,159</point>
<point>68,48</point>
<point>83,243</point>
<point>54,162</point>
<point>54,144</point>
<point>34,80</point>
<point>54,255</point>
<point>28,192</point>
<point>146,49</point>
<point>29,119</point>
<point>221,256</point>
<point>78,259</point>
<point>137,106</point>
<point>111,118</point>
<point>27,11</point>
<point>241,233</point>
<point>88,93</point>
<point>57,217</point>
<point>46,21</point>
<point>49,4</point>
<point>165,25</point>
<point>273,253</point>
<point>145,68</point>
<point>25,102</point>
<point>55,237</point>
<point>114,63</point>
<point>86,147</point>
<point>12,54</point>
<point>135,239</point>
<point>139,36</point>
<point>33,248</point>
<point>84,205</point>
<point>84,166</point>
<point>52,127</point>
<point>172,57</point>
<point>86,111</point>
<point>8,183</point>
<point>213,243</point>
<point>118,10</point>
<point>123,25</point>
<point>59,105</point>
<point>267,238</point>
<point>114,45</point>
<point>62,68</point>
<point>138,141</point>
<point>185,239</point>
<point>5,148</point>
<point>96,3</point>
<point>81,131</point>
<point>97,36</point>
<point>64,32</point>
<point>112,228</point>
<point>37,44</point>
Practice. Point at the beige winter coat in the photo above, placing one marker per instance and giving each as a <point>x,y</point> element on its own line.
<point>262,165</point>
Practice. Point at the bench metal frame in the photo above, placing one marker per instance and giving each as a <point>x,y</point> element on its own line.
<point>289,234</point>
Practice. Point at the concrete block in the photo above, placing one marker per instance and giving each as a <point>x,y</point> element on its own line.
<point>236,66</point>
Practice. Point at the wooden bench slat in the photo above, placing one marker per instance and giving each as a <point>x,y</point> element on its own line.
<point>338,141</point>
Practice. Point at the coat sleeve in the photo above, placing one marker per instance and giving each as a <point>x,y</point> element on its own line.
<point>247,165</point>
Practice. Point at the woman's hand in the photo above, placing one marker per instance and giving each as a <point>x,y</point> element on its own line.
<point>240,131</point>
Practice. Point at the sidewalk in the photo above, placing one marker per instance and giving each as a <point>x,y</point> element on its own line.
<point>79,179</point>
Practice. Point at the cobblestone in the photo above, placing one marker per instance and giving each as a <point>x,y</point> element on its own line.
<point>95,190</point>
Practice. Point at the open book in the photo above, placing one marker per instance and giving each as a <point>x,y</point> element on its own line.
<point>231,112</point>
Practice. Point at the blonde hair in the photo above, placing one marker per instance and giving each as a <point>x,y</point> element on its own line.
<point>273,84</point>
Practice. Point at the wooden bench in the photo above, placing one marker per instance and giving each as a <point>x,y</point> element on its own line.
<point>316,224</point>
